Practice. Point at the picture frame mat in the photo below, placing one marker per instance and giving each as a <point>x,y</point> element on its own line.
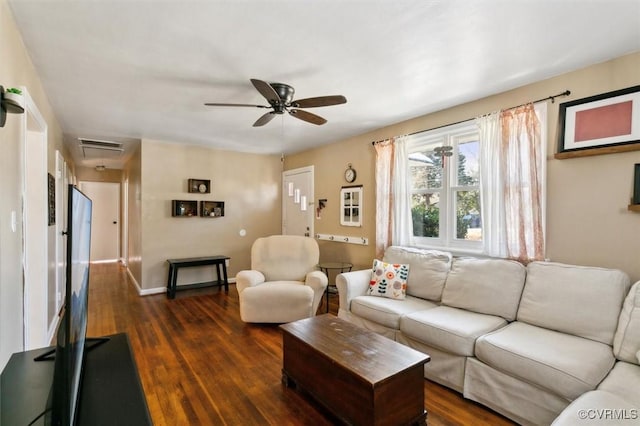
<point>570,123</point>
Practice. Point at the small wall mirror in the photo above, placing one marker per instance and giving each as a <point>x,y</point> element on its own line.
<point>351,205</point>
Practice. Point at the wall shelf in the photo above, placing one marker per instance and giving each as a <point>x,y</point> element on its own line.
<point>212,208</point>
<point>596,151</point>
<point>184,208</point>
<point>202,186</point>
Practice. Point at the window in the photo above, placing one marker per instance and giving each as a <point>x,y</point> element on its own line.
<point>444,180</point>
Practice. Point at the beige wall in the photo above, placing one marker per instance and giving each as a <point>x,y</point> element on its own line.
<point>330,163</point>
<point>132,177</point>
<point>249,184</point>
<point>16,70</point>
<point>587,218</point>
<point>90,174</point>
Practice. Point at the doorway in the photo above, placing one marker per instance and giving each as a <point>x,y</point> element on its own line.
<point>105,218</point>
<point>38,292</point>
<point>298,202</point>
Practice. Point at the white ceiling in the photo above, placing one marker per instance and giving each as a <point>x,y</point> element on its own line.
<point>128,70</point>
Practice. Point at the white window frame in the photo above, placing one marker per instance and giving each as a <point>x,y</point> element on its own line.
<point>446,136</point>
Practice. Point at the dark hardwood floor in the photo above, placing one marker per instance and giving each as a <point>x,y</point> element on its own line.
<point>201,365</point>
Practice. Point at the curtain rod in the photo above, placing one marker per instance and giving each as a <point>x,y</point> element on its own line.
<point>551,98</point>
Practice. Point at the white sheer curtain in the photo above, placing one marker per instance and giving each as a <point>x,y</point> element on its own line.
<point>491,186</point>
<point>393,198</point>
<point>512,181</point>
<point>384,194</point>
<point>401,224</point>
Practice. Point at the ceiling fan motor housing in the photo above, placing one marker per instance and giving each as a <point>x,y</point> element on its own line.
<point>284,91</point>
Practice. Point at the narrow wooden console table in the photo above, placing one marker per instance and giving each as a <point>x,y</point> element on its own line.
<point>220,263</point>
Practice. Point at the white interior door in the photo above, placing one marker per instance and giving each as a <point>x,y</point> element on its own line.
<point>105,228</point>
<point>37,292</point>
<point>298,202</point>
<point>125,222</point>
<point>60,240</point>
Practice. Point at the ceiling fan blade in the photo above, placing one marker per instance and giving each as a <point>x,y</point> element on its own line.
<point>235,105</point>
<point>264,119</point>
<point>307,116</point>
<point>320,101</point>
<point>266,90</point>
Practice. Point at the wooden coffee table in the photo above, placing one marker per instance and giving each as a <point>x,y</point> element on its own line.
<point>361,377</point>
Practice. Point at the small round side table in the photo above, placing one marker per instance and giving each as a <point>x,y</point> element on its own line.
<point>338,267</point>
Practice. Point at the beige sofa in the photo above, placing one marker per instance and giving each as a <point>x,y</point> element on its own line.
<point>616,400</point>
<point>524,341</point>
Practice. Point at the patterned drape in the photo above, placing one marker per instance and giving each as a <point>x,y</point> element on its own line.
<point>512,155</point>
<point>523,172</point>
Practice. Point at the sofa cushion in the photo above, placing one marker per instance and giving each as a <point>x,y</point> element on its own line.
<point>285,257</point>
<point>487,286</point>
<point>626,342</point>
<point>579,300</point>
<point>429,270</point>
<point>386,311</point>
<point>624,381</point>
<point>450,329</point>
<point>561,363</point>
<point>389,280</point>
<point>276,302</point>
<point>599,408</point>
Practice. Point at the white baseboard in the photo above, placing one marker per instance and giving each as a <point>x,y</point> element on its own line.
<point>156,290</point>
<point>150,291</point>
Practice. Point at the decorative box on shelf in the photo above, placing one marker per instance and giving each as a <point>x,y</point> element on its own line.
<point>201,186</point>
<point>184,208</point>
<point>212,208</point>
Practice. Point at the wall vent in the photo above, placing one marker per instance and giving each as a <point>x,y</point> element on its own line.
<point>94,143</point>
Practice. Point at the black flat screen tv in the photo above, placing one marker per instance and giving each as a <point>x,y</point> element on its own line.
<point>62,406</point>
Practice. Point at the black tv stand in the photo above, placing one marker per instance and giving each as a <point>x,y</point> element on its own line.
<point>94,342</point>
<point>90,343</point>
<point>110,394</point>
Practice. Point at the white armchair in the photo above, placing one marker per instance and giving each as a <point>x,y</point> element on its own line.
<point>283,284</point>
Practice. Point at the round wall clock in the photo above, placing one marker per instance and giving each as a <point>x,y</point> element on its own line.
<point>350,174</point>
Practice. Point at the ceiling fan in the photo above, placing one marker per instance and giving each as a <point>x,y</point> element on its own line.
<point>280,98</point>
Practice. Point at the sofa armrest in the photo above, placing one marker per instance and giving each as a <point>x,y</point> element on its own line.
<point>248,278</point>
<point>317,280</point>
<point>352,284</point>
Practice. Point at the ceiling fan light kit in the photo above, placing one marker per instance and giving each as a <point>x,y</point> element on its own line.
<point>280,98</point>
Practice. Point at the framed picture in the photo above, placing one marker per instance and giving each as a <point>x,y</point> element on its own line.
<point>51,199</point>
<point>636,185</point>
<point>603,121</point>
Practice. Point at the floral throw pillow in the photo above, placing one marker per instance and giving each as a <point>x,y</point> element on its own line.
<point>388,280</point>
